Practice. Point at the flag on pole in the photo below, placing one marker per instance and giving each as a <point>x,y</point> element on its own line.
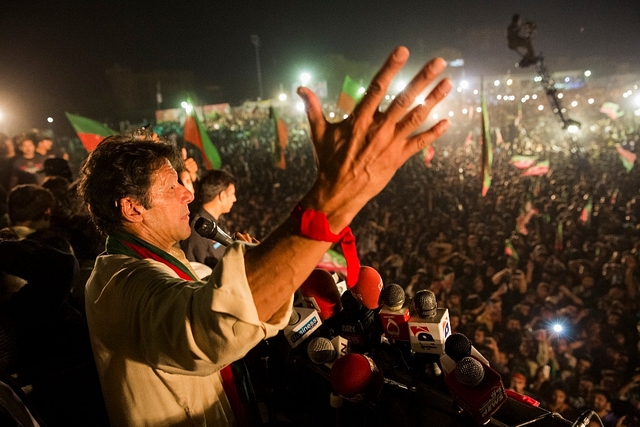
<point>468,140</point>
<point>627,157</point>
<point>523,162</point>
<point>510,251</point>
<point>350,95</point>
<point>559,241</point>
<point>487,154</point>
<point>427,154</point>
<point>196,134</point>
<point>89,131</point>
<point>279,144</point>
<point>585,215</point>
<point>538,169</point>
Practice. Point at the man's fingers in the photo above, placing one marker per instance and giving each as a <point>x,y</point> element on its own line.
<point>380,83</point>
<point>405,99</point>
<point>424,139</point>
<point>184,153</point>
<point>317,122</point>
<point>416,117</point>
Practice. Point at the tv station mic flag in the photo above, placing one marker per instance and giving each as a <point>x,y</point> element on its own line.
<point>90,132</point>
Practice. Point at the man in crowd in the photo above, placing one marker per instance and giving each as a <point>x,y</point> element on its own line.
<point>29,208</point>
<point>28,162</point>
<point>162,339</point>
<point>217,194</point>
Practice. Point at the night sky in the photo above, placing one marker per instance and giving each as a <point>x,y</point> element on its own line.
<point>53,54</point>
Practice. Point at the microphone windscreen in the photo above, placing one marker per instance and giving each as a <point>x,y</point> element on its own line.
<point>321,350</point>
<point>356,376</point>
<point>368,287</point>
<point>205,227</point>
<point>393,296</point>
<point>457,346</point>
<point>425,303</point>
<point>469,371</point>
<point>320,292</point>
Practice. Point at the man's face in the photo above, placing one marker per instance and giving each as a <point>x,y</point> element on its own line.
<point>599,402</point>
<point>45,144</point>
<point>168,217</point>
<point>27,148</point>
<point>228,198</point>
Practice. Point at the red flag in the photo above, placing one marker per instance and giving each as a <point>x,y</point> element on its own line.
<point>89,131</point>
<point>196,134</point>
<point>428,154</point>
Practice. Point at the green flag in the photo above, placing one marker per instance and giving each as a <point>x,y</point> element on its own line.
<point>487,151</point>
<point>350,95</point>
<point>89,131</point>
<point>196,134</point>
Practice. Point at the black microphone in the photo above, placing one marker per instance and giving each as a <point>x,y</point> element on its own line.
<point>456,347</point>
<point>210,230</point>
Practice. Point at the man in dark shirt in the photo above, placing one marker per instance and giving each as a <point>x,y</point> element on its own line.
<point>217,194</point>
<point>28,162</point>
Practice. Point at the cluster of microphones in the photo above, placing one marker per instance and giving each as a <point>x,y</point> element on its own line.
<point>370,313</point>
<point>358,319</point>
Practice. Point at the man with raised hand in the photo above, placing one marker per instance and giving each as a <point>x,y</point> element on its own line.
<point>163,339</point>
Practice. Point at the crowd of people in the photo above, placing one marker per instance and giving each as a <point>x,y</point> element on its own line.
<point>541,273</point>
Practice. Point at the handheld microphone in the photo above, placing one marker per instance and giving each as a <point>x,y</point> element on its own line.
<point>368,287</point>
<point>319,292</point>
<point>356,377</point>
<point>395,314</point>
<point>429,326</point>
<point>321,350</point>
<point>302,323</point>
<point>357,323</point>
<point>456,347</point>
<point>210,230</point>
<point>477,388</point>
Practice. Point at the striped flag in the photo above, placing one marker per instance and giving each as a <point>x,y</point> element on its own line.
<point>427,154</point>
<point>627,157</point>
<point>523,162</point>
<point>511,252</point>
<point>487,153</point>
<point>333,261</point>
<point>281,140</point>
<point>585,215</point>
<point>89,131</point>
<point>196,134</point>
<point>350,95</point>
<point>538,169</point>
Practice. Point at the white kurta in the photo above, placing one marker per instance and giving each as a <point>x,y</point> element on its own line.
<point>159,341</point>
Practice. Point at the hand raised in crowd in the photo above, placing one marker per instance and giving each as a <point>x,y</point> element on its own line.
<point>191,165</point>
<point>358,156</point>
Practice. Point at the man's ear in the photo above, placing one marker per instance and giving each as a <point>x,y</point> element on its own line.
<point>131,209</point>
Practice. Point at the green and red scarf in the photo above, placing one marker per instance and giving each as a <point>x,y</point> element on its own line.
<point>235,377</point>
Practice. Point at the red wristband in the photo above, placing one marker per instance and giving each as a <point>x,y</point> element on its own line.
<point>314,225</point>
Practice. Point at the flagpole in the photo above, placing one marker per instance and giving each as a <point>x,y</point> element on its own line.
<point>256,42</point>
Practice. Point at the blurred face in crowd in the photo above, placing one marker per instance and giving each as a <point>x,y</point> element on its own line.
<point>10,150</point>
<point>513,325</point>
<point>519,383</point>
<point>27,148</point>
<point>600,402</point>
<point>558,397</point>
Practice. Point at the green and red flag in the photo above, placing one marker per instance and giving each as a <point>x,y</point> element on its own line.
<point>523,162</point>
<point>627,157</point>
<point>427,155</point>
<point>487,151</point>
<point>559,241</point>
<point>585,215</point>
<point>89,131</point>
<point>538,169</point>
<point>510,251</point>
<point>333,261</point>
<point>280,143</point>
<point>350,95</point>
<point>196,134</point>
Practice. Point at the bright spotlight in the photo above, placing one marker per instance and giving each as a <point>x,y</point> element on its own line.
<point>49,119</point>
<point>304,78</point>
<point>479,110</point>
<point>420,99</point>
<point>587,73</point>
<point>572,129</point>
<point>591,101</point>
<point>282,97</point>
<point>300,106</point>
<point>400,86</point>
<point>496,83</point>
<point>534,96</point>
<point>557,328</point>
<point>465,111</point>
<point>332,114</point>
<point>560,95</point>
<point>540,107</point>
<point>435,116</point>
<point>475,91</point>
<point>450,113</point>
<point>459,89</point>
<point>345,116</point>
<point>509,82</point>
<point>184,104</point>
<point>574,104</point>
<point>361,90</point>
<point>464,84</point>
<point>499,97</point>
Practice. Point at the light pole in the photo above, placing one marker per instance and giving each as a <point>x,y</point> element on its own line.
<point>256,42</point>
